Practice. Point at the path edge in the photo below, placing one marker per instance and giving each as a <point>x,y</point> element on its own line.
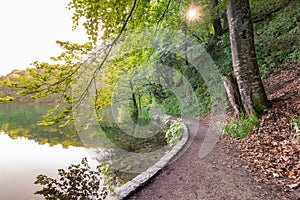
<point>142,179</point>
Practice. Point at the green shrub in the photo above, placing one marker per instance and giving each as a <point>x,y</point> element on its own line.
<point>241,128</point>
<point>175,131</point>
<point>295,123</point>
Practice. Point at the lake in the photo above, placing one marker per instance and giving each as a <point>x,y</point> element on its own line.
<point>28,150</point>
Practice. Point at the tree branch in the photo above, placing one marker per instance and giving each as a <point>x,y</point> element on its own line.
<point>110,46</point>
<point>164,13</point>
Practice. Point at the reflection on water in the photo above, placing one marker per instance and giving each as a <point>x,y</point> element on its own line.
<point>27,150</point>
<point>21,121</point>
<point>128,146</point>
<point>22,160</point>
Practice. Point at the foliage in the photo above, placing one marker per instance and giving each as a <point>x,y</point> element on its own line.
<point>6,99</point>
<point>174,131</point>
<point>78,182</point>
<point>9,93</point>
<point>260,9</point>
<point>240,128</point>
<point>276,42</point>
<point>276,29</point>
<point>108,17</point>
<point>295,123</point>
<point>221,54</point>
<point>21,121</point>
<point>106,20</point>
<point>277,38</point>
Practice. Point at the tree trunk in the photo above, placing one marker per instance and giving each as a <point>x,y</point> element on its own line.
<point>244,61</point>
<point>216,21</point>
<point>232,94</point>
<point>135,111</point>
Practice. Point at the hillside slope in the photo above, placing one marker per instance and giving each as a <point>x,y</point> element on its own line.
<point>272,152</point>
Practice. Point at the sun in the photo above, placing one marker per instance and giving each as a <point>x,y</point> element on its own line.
<point>192,13</point>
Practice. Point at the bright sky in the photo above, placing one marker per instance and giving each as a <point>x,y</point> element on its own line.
<point>29,29</point>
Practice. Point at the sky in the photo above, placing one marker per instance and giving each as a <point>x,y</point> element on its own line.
<point>29,29</point>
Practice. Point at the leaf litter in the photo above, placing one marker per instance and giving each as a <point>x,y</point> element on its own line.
<point>272,152</point>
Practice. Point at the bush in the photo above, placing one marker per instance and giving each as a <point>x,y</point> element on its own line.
<point>78,183</point>
<point>174,131</point>
<point>241,128</point>
<point>295,123</point>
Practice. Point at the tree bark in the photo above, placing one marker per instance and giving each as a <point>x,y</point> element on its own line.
<point>244,61</point>
<point>232,94</point>
<point>135,111</point>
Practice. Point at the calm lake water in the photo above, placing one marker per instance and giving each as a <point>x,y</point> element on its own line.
<point>27,150</point>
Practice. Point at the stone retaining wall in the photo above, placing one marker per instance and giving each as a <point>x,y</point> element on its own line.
<point>131,186</point>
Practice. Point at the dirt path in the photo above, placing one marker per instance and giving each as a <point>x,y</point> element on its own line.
<point>217,176</point>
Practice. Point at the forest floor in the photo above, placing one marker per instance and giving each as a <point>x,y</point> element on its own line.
<point>265,165</point>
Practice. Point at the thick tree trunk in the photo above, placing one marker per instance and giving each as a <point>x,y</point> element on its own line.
<point>245,66</point>
<point>216,21</point>
<point>232,94</point>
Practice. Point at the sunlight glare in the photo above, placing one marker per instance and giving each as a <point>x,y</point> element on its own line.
<point>193,14</point>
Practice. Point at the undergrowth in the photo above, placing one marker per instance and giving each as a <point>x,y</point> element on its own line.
<point>277,38</point>
<point>276,30</point>
<point>240,128</point>
<point>295,123</point>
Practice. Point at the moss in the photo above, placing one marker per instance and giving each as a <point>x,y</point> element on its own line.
<point>261,105</point>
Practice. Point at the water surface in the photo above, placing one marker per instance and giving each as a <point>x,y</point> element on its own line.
<point>27,150</point>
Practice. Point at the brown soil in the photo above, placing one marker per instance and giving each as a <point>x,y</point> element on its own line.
<point>229,171</point>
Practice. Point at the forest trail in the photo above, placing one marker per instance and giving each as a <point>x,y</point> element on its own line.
<point>217,176</point>
<point>224,173</point>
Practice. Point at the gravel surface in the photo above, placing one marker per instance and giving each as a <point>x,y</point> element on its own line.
<point>217,176</point>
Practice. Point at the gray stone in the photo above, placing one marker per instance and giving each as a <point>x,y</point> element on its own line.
<point>142,178</point>
<point>161,163</point>
<point>153,170</point>
<point>127,189</point>
<point>168,156</point>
